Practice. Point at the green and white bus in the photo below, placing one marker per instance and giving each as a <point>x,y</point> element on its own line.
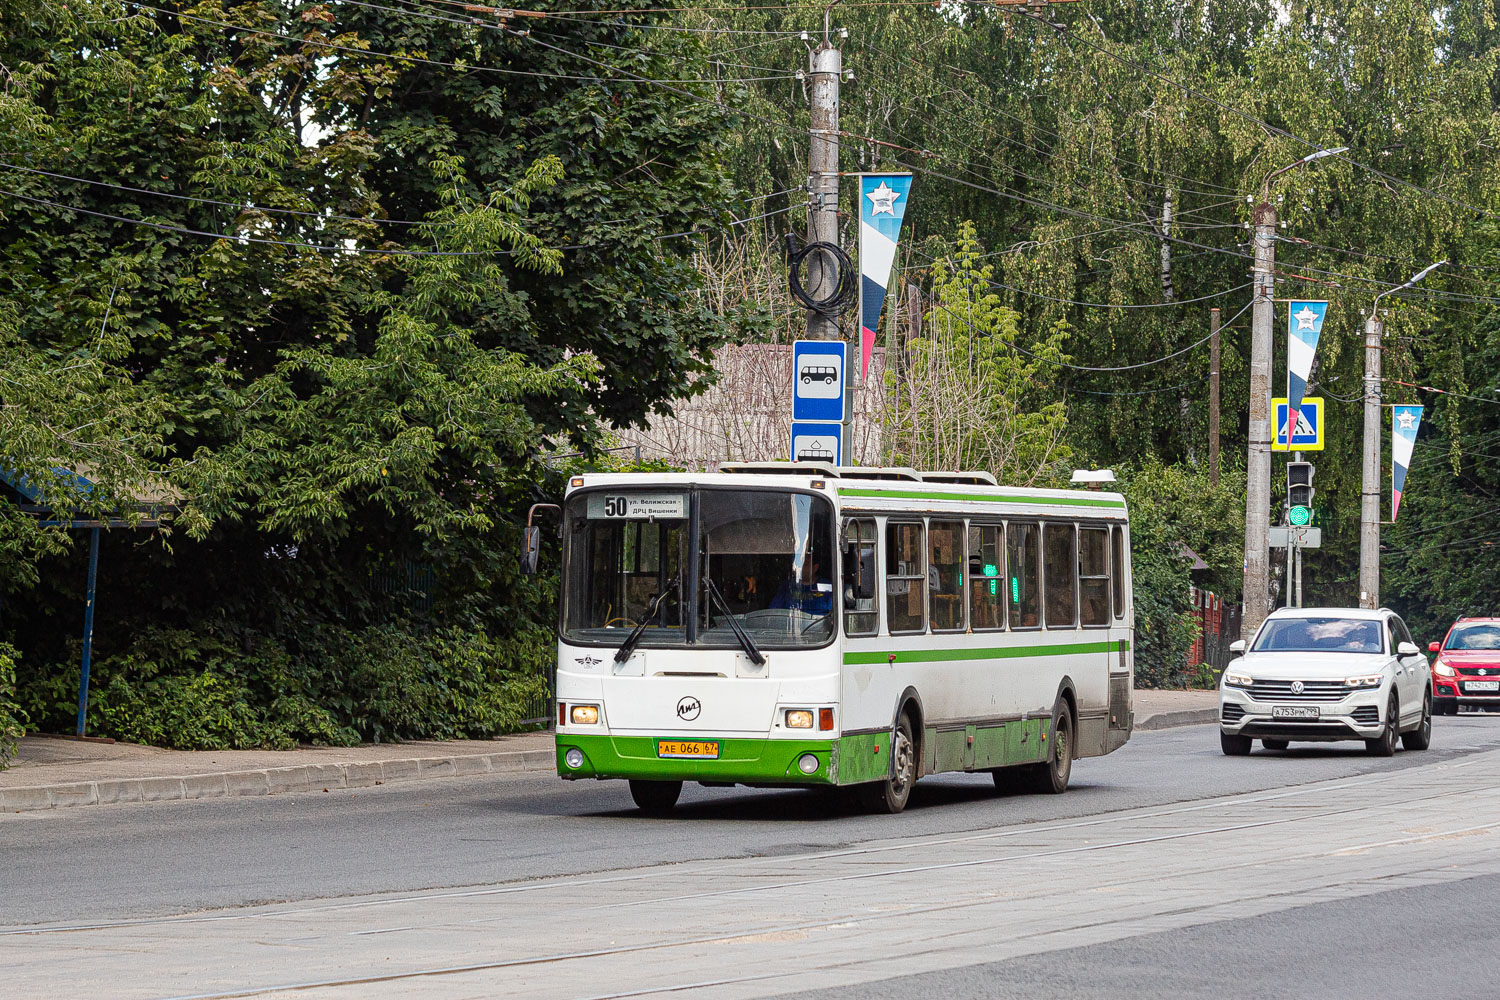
<point>797,624</point>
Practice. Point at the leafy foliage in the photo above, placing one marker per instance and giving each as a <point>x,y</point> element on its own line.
<point>1175,512</point>
<point>358,270</point>
<point>12,718</point>
<point>967,396</point>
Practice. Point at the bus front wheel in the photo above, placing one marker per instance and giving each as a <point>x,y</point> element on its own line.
<point>891,795</point>
<point>655,797</point>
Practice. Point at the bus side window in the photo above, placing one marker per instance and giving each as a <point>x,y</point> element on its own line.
<point>905,578</point>
<point>1093,576</point>
<point>945,574</point>
<point>860,574</point>
<point>1060,565</point>
<point>986,577</point>
<point>1117,569</point>
<point>1021,540</point>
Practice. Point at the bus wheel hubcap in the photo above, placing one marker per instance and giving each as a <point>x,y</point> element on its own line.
<point>903,763</point>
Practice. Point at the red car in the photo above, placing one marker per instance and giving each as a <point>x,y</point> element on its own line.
<point>1467,671</point>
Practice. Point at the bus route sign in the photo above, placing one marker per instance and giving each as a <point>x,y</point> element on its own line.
<point>818,374</point>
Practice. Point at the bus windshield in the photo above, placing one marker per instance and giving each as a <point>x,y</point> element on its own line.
<point>769,554</point>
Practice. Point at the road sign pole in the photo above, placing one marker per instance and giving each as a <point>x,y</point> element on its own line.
<point>1295,548</point>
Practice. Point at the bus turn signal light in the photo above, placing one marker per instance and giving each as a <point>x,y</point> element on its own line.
<point>825,718</point>
<point>799,718</point>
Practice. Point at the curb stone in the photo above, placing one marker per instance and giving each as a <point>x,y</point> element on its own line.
<point>359,774</point>
<point>1185,717</point>
<point>270,780</point>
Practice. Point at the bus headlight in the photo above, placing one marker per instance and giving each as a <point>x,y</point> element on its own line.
<point>573,758</point>
<point>807,763</point>
<point>799,718</point>
<point>585,715</point>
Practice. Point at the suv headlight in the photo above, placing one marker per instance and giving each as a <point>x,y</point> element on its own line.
<point>1368,681</point>
<point>1443,669</point>
<point>1237,680</point>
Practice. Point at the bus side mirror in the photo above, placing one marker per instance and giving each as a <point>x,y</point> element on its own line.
<point>531,541</point>
<point>1433,647</point>
<point>531,550</point>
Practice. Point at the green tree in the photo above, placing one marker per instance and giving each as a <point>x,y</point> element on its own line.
<point>969,396</point>
<point>336,277</point>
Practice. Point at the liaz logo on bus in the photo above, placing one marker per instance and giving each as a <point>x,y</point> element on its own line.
<point>688,708</point>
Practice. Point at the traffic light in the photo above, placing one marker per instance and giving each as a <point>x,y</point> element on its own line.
<point>1299,491</point>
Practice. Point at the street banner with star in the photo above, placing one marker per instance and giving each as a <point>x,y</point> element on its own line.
<point>882,206</point>
<point>1405,420</point>
<point>1304,326</point>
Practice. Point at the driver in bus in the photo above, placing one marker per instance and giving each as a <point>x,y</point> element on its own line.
<point>813,593</point>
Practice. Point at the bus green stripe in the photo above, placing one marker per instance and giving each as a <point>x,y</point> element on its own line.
<point>1045,501</point>
<point>990,653</point>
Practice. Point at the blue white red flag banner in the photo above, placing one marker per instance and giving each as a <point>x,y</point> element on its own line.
<point>1304,326</point>
<point>882,206</point>
<point>1405,420</point>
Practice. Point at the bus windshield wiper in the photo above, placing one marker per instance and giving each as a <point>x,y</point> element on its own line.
<point>628,646</point>
<point>756,656</point>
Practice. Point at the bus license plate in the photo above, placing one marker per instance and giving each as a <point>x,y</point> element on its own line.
<point>1294,712</point>
<point>1482,685</point>
<point>688,748</point>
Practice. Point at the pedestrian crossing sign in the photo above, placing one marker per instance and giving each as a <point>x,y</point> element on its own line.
<point>1309,432</point>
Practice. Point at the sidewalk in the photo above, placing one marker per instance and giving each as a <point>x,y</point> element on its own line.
<point>1165,709</point>
<point>52,773</point>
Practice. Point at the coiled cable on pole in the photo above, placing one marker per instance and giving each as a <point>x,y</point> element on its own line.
<point>845,283</point>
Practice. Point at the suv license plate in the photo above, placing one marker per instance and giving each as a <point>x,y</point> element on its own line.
<point>1294,712</point>
<point>1482,685</point>
<point>707,749</point>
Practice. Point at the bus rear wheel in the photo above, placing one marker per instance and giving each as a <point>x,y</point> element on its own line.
<point>1051,777</point>
<point>891,795</point>
<point>655,798</point>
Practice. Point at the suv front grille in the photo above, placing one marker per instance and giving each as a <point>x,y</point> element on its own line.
<point>1311,691</point>
<point>1233,712</point>
<point>1367,715</point>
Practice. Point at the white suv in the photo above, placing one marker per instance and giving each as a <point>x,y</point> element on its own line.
<point>1323,674</point>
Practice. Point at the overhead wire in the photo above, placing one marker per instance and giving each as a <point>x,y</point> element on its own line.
<point>388,252</point>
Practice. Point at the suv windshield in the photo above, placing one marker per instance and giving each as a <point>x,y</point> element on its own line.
<point>1319,635</point>
<point>1473,637</point>
<point>769,553</point>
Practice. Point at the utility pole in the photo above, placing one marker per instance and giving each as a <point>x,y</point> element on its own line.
<point>1369,489</point>
<point>1213,396</point>
<point>1257,589</point>
<point>826,66</point>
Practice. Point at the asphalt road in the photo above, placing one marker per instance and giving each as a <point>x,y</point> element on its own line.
<point>1397,943</point>
<point>114,862</point>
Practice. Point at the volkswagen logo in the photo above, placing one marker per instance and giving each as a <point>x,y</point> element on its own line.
<point>1297,687</point>
<point>688,708</point>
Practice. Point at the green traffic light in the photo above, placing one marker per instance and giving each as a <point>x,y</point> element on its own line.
<point>1300,516</point>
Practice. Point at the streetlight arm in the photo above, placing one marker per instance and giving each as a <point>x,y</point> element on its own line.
<point>1412,283</point>
<point>1265,185</point>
